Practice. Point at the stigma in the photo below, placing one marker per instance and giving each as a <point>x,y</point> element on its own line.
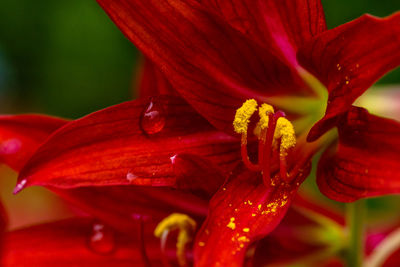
<point>276,137</point>
<point>186,227</point>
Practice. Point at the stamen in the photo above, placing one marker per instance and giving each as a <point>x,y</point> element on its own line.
<point>275,134</point>
<point>245,155</point>
<point>264,112</point>
<point>186,227</point>
<point>285,133</point>
<point>243,115</point>
<point>240,125</point>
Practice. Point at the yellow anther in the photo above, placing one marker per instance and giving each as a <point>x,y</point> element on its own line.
<point>264,111</point>
<point>243,115</point>
<point>285,132</point>
<point>186,227</point>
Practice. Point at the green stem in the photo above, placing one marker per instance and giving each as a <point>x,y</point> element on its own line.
<point>355,223</point>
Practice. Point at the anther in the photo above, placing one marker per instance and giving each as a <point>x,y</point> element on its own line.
<point>186,227</point>
<point>276,136</point>
<point>240,125</point>
<point>243,115</point>
<point>265,111</point>
<point>285,136</point>
<point>285,133</point>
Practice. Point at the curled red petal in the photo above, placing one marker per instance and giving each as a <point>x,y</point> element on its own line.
<point>21,135</point>
<point>122,206</point>
<point>130,143</point>
<point>152,82</point>
<point>241,212</point>
<point>213,66</point>
<point>366,161</point>
<point>349,59</point>
<point>77,242</point>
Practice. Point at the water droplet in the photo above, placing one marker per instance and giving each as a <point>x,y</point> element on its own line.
<point>10,146</point>
<point>101,239</point>
<point>21,185</point>
<point>173,159</point>
<point>153,118</point>
<point>131,177</point>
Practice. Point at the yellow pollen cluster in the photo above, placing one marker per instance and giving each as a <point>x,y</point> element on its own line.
<point>186,226</point>
<point>243,115</point>
<point>285,132</point>
<point>264,111</point>
<point>231,224</point>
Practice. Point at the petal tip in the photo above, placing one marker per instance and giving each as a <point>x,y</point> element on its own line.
<point>20,185</point>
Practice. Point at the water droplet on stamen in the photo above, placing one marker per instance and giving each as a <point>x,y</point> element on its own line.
<point>101,239</point>
<point>131,177</point>
<point>153,118</point>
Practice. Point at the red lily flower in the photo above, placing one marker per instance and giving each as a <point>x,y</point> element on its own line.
<point>216,54</point>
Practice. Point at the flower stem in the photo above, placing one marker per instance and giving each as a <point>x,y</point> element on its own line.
<point>355,222</point>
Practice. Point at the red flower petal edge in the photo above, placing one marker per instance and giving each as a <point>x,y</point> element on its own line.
<point>290,242</point>
<point>213,66</point>
<point>76,242</point>
<point>366,161</point>
<point>152,82</point>
<point>131,143</point>
<point>241,212</point>
<point>122,206</point>
<point>280,26</point>
<point>20,136</point>
<point>349,59</point>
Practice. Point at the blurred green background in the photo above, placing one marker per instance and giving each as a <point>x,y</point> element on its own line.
<point>66,58</point>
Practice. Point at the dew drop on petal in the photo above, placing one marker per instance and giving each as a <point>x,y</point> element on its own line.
<point>152,120</point>
<point>101,239</point>
<point>131,176</point>
<point>10,146</point>
<point>173,159</point>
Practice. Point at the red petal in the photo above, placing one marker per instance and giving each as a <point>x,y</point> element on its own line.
<point>288,243</point>
<point>121,206</point>
<point>350,58</point>
<point>213,66</point>
<point>367,160</point>
<point>152,81</point>
<point>240,213</point>
<point>278,25</point>
<point>191,170</point>
<point>130,143</point>
<point>3,226</point>
<point>21,135</point>
<point>72,243</point>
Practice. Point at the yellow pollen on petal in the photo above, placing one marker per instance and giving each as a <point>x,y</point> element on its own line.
<point>231,224</point>
<point>246,230</point>
<point>243,115</point>
<point>285,132</point>
<point>186,227</point>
